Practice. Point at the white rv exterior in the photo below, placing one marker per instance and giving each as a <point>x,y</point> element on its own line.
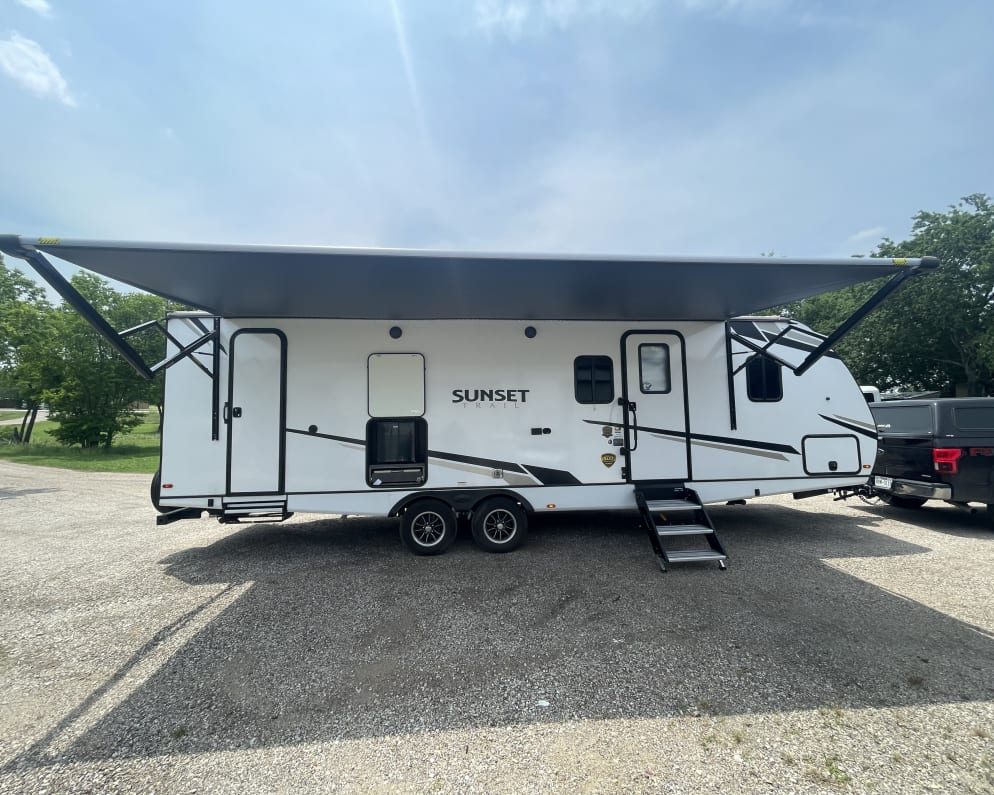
<point>500,412</point>
<point>426,384</point>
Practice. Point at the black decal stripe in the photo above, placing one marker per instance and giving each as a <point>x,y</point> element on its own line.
<point>489,463</point>
<point>749,443</point>
<point>346,439</point>
<point>703,437</point>
<point>788,343</point>
<point>553,477</point>
<point>746,328</point>
<point>849,426</point>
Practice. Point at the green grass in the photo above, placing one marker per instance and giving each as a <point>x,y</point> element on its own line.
<point>137,451</point>
<point>10,414</point>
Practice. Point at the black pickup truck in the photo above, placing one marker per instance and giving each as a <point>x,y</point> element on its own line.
<point>941,449</point>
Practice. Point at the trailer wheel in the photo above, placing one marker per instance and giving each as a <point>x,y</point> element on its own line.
<point>903,502</point>
<point>499,525</point>
<point>156,489</point>
<point>428,527</point>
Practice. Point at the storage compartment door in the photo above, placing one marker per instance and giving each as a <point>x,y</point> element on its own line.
<point>831,455</point>
<point>396,385</point>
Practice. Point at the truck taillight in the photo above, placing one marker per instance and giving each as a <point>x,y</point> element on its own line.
<point>945,459</point>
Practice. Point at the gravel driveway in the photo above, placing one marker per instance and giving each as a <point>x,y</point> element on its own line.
<point>847,648</point>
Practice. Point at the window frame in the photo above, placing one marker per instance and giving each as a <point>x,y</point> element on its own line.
<point>591,362</point>
<point>669,369</point>
<point>766,362</point>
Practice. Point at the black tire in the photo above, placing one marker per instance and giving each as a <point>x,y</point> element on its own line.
<point>903,502</point>
<point>428,527</point>
<point>499,525</point>
<point>156,490</point>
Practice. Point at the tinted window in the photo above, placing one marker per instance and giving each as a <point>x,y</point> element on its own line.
<point>974,418</point>
<point>764,380</point>
<point>903,419</point>
<point>594,379</point>
<point>654,368</point>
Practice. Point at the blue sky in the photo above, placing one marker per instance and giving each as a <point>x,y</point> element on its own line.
<point>726,127</point>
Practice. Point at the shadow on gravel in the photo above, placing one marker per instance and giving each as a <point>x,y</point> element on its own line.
<point>343,634</point>
<point>12,494</point>
<point>973,522</point>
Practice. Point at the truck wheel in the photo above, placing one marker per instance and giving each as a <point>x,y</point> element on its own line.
<point>903,502</point>
<point>428,527</point>
<point>499,525</point>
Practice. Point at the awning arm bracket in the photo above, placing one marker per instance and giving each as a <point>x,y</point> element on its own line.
<point>184,352</point>
<point>71,296</point>
<point>872,303</point>
<point>117,340</point>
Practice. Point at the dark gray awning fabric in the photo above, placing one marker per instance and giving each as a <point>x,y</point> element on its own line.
<point>280,282</point>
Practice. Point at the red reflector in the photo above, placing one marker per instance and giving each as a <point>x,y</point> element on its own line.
<point>982,451</point>
<point>945,459</point>
<point>167,485</point>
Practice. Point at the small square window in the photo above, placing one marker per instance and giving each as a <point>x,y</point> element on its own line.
<point>764,380</point>
<point>593,378</point>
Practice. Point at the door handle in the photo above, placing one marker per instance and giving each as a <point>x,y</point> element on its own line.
<point>629,405</point>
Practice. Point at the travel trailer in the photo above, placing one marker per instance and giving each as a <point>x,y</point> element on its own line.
<point>427,386</point>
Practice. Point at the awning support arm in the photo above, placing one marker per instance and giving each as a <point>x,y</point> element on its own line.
<point>187,351</point>
<point>71,296</point>
<point>850,323</point>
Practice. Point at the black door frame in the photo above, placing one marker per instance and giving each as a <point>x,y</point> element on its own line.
<point>281,464</point>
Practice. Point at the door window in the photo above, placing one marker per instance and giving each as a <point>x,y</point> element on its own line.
<point>654,368</point>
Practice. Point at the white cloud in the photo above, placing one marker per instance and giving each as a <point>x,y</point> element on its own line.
<point>28,64</point>
<point>42,7</point>
<point>516,17</point>
<point>874,233</point>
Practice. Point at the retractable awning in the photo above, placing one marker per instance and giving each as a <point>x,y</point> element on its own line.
<point>395,284</point>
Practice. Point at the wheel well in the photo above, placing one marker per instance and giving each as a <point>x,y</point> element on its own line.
<point>461,500</point>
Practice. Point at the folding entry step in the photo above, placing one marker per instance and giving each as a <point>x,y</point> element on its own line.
<point>263,511</point>
<point>672,513</point>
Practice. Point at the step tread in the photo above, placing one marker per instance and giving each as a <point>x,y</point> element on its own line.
<point>683,529</point>
<point>693,555</point>
<point>672,505</point>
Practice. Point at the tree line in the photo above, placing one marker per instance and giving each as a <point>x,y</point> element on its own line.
<point>49,355</point>
<point>935,334</point>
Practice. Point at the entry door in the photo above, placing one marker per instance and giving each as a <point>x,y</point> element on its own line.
<point>256,411</point>
<point>654,402</point>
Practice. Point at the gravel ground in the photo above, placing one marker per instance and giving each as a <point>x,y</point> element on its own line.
<point>847,648</point>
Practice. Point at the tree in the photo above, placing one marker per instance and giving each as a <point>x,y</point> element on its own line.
<point>25,333</point>
<point>937,332</point>
<point>91,390</point>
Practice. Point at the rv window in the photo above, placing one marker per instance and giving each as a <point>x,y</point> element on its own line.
<point>593,379</point>
<point>764,380</point>
<point>654,368</point>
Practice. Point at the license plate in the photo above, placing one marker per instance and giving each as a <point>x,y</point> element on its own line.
<point>882,482</point>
